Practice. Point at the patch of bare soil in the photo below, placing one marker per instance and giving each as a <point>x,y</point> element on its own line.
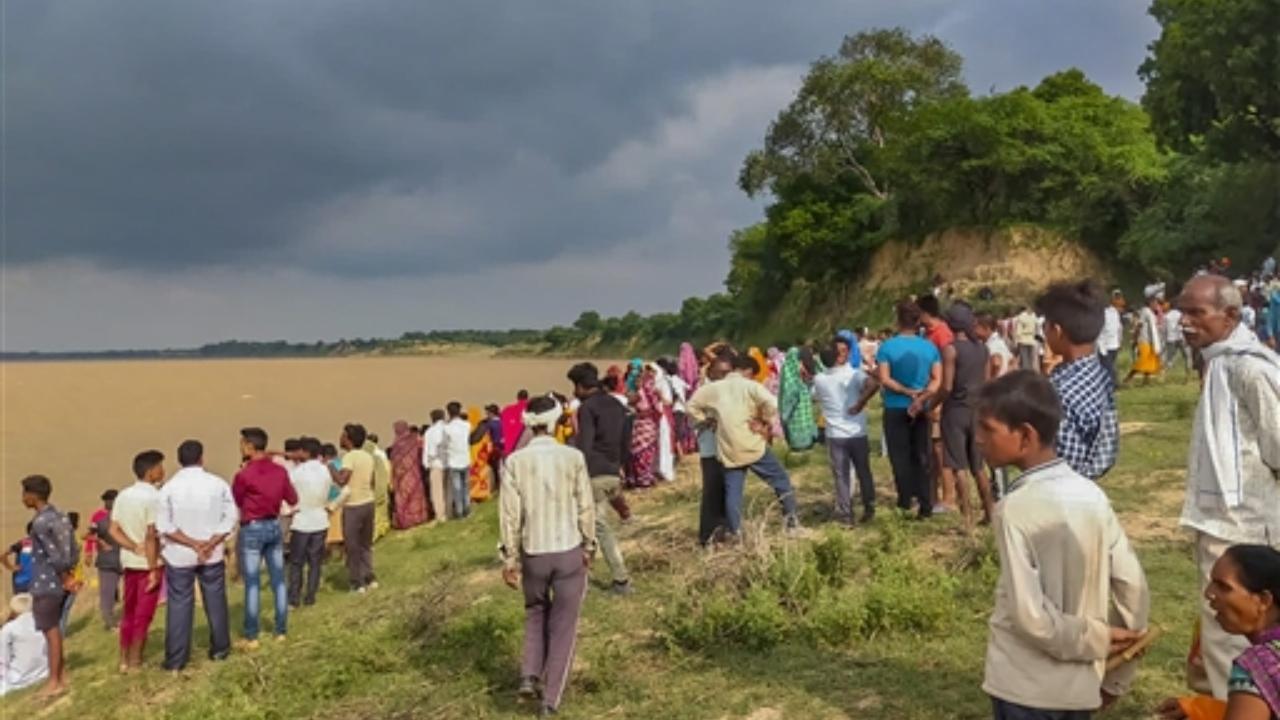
<point>1013,263</point>
<point>1161,509</point>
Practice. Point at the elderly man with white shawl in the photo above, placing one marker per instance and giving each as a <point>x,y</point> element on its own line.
<point>547,523</point>
<point>1233,474</point>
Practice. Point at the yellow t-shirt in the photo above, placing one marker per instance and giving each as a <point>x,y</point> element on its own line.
<point>360,486</point>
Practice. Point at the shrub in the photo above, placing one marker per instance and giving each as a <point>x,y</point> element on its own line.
<point>486,638</point>
<point>834,556</point>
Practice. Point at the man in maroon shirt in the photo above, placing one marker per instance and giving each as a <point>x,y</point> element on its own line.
<point>261,489</point>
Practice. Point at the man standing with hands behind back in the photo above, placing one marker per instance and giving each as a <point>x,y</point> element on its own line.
<point>133,527</point>
<point>196,514</point>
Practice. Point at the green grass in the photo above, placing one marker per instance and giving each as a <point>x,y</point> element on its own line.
<point>887,621</point>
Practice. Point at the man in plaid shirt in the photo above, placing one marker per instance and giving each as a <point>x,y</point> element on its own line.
<point>1089,436</point>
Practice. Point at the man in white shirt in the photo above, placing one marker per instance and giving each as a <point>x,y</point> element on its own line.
<point>24,653</point>
<point>1110,339</point>
<point>310,526</point>
<point>457,459</point>
<point>1232,493</point>
<point>433,459</point>
<point>195,515</point>
<point>1175,346</point>
<point>547,526</point>
<point>1025,325</point>
<point>842,393</point>
<point>133,528</point>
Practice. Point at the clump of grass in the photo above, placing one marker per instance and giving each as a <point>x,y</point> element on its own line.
<point>784,591</point>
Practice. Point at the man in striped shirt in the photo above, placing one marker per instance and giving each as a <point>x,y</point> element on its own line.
<point>548,536</point>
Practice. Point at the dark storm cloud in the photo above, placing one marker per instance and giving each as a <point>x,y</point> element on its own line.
<point>418,137</point>
<point>182,134</point>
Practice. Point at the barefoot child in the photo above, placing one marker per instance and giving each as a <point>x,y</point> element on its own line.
<point>1064,559</point>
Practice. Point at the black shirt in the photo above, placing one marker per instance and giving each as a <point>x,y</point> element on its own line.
<point>601,428</point>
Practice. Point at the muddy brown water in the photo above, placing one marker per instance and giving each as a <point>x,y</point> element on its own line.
<point>81,423</point>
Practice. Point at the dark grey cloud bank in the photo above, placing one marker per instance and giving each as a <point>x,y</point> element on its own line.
<point>247,161</point>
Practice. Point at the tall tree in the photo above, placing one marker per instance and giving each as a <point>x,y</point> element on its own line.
<point>849,107</point>
<point>1212,76</point>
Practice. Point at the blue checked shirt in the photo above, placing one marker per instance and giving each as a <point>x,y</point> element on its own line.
<point>1089,436</point>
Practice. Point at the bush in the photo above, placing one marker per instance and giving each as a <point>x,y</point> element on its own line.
<point>756,622</point>
<point>485,638</point>
<point>905,595</point>
<point>794,579</point>
<point>834,557</point>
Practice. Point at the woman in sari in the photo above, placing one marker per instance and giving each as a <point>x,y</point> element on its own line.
<point>762,364</point>
<point>688,368</point>
<point>406,478</point>
<point>634,371</point>
<point>644,432</point>
<point>480,474</point>
<point>795,405</point>
<point>1244,592</point>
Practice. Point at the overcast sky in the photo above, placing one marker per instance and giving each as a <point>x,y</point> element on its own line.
<point>186,172</point>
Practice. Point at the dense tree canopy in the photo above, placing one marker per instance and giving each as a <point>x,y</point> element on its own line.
<point>1213,77</point>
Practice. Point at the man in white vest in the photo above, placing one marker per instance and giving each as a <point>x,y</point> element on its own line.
<point>1233,474</point>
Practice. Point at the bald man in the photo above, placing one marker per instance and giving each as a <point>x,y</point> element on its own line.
<point>1233,476</point>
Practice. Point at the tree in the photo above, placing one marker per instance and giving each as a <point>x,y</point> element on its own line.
<point>1064,154</point>
<point>1207,210</point>
<point>849,107</point>
<point>1211,77</point>
<point>588,322</point>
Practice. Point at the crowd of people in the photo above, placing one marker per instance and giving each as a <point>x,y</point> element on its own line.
<point>1009,421</point>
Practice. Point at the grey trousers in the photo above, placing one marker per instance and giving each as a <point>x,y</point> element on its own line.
<point>1029,358</point>
<point>306,549</point>
<point>554,585</point>
<point>108,583</point>
<point>357,538</point>
<point>180,608</point>
<point>846,453</point>
<point>605,487</point>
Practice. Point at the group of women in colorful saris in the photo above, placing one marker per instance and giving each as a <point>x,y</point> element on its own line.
<point>655,393</point>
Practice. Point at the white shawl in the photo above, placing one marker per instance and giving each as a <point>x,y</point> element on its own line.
<point>1215,447</point>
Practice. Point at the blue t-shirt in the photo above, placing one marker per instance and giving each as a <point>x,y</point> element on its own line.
<point>910,359</point>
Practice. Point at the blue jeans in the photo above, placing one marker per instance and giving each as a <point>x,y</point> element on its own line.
<point>461,492</point>
<point>261,540</point>
<point>773,474</point>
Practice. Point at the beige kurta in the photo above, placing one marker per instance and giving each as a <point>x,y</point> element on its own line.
<point>1063,559</point>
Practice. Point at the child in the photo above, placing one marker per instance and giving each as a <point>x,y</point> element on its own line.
<point>20,564</point>
<point>1089,435</point>
<point>1064,560</point>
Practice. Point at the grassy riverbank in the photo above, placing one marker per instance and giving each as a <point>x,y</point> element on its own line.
<point>882,621</point>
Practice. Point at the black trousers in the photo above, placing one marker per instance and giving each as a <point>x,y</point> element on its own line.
<point>306,549</point>
<point>180,608</point>
<point>1003,710</point>
<point>908,440</point>
<point>711,512</point>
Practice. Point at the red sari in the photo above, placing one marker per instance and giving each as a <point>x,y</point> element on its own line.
<point>644,433</point>
<point>406,478</point>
